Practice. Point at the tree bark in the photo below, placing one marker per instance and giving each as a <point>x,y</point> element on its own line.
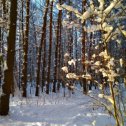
<point>76,45</point>
<point>25,48</point>
<point>59,49</point>
<point>8,73</point>
<point>50,48</point>
<point>83,51</point>
<point>40,49</point>
<point>56,54</point>
<point>0,57</point>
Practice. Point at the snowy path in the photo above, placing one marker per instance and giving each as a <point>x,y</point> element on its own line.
<point>75,111</point>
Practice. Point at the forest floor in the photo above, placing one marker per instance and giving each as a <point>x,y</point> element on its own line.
<point>56,110</point>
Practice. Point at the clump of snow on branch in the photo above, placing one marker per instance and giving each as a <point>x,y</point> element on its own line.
<point>72,62</point>
<point>101,2</point>
<point>71,76</point>
<point>66,55</point>
<point>59,6</point>
<point>65,69</point>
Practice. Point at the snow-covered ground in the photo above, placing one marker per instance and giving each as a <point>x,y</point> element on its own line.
<point>56,110</point>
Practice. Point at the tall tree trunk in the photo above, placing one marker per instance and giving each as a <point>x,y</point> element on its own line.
<point>22,20</point>
<point>40,49</point>
<point>0,56</point>
<point>44,58</point>
<point>8,73</point>
<point>19,62</point>
<point>21,40</point>
<point>25,48</point>
<point>50,48</point>
<point>56,53</point>
<point>44,63</point>
<point>90,53</point>
<point>83,50</point>
<point>76,53</point>
<point>35,50</point>
<point>59,49</point>
<point>70,36</point>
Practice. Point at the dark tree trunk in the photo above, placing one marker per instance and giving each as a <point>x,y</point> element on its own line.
<point>50,48</point>
<point>59,49</point>
<point>8,73</point>
<point>0,56</point>
<point>19,63</point>
<point>70,37</point>
<point>56,51</point>
<point>21,44</point>
<point>83,51</point>
<point>22,20</point>
<point>40,49</point>
<point>76,50</point>
<point>44,64</point>
<point>90,53</point>
<point>25,48</point>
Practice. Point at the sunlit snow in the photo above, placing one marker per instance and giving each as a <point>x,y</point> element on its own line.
<point>56,110</point>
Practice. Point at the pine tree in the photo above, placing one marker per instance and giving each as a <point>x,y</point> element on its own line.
<point>83,50</point>
<point>8,73</point>
<point>50,48</point>
<point>25,48</point>
<point>0,57</point>
<point>57,50</point>
<point>40,49</point>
